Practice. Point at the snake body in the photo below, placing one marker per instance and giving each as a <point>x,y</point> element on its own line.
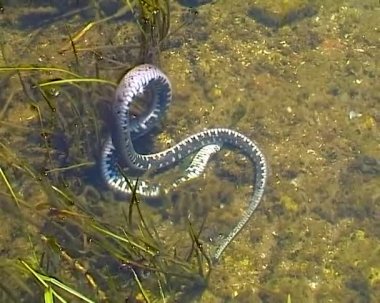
<point>119,146</point>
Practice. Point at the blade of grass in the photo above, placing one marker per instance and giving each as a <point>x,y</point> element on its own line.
<point>72,44</point>
<point>47,99</point>
<point>122,11</point>
<point>135,201</point>
<point>200,251</point>
<point>44,280</point>
<point>37,68</point>
<point>161,290</point>
<point>48,295</point>
<point>72,81</point>
<point>64,195</point>
<point>41,279</point>
<point>9,187</point>
<point>68,289</point>
<point>75,264</point>
<point>124,240</point>
<point>143,240</point>
<point>17,161</point>
<point>141,288</point>
<point>74,166</point>
<point>6,104</point>
<point>43,131</point>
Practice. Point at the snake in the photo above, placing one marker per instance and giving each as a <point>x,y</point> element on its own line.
<point>119,151</point>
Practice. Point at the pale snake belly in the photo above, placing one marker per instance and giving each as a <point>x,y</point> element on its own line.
<point>119,146</point>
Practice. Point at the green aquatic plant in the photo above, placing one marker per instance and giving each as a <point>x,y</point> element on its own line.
<point>72,252</point>
<point>76,78</point>
<point>49,283</point>
<point>136,248</point>
<point>154,23</point>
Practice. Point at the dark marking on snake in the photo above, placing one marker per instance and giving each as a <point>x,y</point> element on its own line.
<point>119,146</point>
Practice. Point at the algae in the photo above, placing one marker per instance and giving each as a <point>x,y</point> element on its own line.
<point>292,88</point>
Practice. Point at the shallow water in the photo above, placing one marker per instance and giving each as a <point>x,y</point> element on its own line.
<point>302,80</point>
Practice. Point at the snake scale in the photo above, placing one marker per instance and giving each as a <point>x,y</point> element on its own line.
<point>148,79</point>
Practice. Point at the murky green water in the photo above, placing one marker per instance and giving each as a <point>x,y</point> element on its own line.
<point>301,78</point>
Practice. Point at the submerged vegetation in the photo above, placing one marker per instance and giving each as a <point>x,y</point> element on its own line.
<point>299,77</point>
<point>67,248</point>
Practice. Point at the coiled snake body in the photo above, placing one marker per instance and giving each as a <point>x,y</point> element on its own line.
<point>119,146</point>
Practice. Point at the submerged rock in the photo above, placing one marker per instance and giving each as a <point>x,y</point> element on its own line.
<point>279,13</point>
<point>193,3</point>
